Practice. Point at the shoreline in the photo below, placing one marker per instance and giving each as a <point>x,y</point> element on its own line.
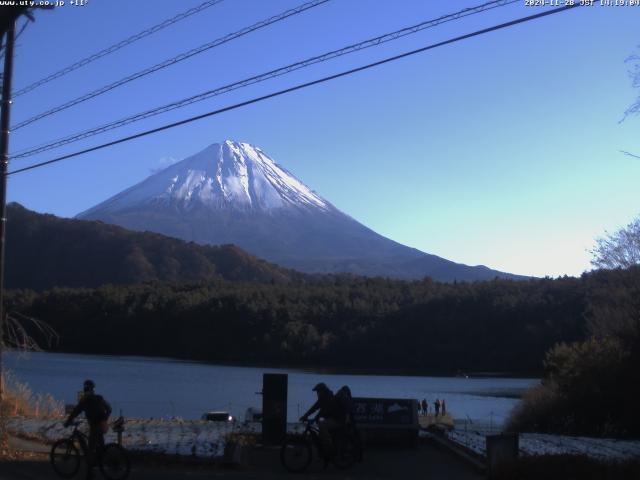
<point>324,370</point>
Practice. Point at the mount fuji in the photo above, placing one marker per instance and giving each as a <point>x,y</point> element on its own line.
<point>233,192</point>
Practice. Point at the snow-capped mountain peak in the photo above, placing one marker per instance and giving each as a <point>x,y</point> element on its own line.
<point>233,192</point>
<point>224,175</point>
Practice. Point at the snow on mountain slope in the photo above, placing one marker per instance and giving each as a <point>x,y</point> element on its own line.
<point>224,175</point>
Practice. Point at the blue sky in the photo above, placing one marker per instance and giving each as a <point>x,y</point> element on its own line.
<point>502,150</point>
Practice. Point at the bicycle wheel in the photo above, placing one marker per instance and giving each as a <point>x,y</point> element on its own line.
<point>295,454</point>
<point>114,462</point>
<point>65,458</point>
<point>346,452</point>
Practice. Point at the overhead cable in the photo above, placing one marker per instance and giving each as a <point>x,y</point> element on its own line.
<point>263,77</point>
<point>171,61</point>
<point>115,47</point>
<point>298,87</point>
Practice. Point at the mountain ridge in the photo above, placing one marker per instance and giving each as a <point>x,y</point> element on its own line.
<point>233,192</point>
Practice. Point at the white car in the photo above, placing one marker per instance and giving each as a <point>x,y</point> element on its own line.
<point>217,417</point>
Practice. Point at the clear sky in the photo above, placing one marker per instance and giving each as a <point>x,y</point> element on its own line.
<point>501,150</point>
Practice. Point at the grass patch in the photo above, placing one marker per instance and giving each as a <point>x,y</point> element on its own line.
<point>19,400</point>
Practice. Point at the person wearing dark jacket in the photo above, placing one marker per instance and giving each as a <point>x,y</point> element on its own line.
<point>96,410</point>
<point>330,413</point>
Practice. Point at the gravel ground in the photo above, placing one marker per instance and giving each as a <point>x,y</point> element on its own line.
<point>544,444</point>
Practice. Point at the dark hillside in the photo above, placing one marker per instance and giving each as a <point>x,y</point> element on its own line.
<point>45,251</point>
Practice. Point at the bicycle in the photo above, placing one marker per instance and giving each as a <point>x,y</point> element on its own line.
<point>111,458</point>
<point>297,450</point>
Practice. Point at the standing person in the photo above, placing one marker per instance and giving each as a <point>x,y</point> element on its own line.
<point>97,410</point>
<point>425,406</point>
<point>437,406</point>
<point>443,406</point>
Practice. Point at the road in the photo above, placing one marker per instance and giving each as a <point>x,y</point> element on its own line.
<point>424,461</point>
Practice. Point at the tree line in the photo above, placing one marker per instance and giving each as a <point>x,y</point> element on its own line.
<point>332,322</point>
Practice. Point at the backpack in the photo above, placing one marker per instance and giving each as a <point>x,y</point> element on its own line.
<point>102,409</point>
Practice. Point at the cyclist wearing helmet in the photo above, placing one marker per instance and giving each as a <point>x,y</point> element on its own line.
<point>330,413</point>
<point>97,410</point>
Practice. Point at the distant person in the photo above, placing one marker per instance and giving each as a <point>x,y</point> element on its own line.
<point>331,415</point>
<point>425,406</point>
<point>97,410</point>
<point>443,406</point>
<point>436,405</point>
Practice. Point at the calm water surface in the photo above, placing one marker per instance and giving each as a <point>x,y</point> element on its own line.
<point>159,387</point>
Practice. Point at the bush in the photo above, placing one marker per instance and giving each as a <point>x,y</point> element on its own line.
<point>537,411</point>
<point>589,389</point>
<point>585,392</point>
<point>19,400</point>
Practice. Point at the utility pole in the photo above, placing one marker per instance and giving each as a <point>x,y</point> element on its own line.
<point>4,163</point>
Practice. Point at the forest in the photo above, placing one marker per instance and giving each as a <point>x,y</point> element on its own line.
<point>329,322</point>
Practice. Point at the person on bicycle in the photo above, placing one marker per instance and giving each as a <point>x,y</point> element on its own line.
<point>331,414</point>
<point>97,410</point>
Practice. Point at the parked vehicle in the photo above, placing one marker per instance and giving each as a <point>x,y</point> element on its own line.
<point>217,417</point>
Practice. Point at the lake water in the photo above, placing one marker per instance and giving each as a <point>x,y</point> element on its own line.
<point>160,387</point>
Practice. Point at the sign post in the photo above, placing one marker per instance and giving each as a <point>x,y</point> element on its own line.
<point>501,449</point>
<point>274,407</point>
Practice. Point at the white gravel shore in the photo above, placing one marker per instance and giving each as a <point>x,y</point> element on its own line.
<point>175,437</point>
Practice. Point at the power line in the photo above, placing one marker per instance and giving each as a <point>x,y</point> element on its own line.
<point>172,61</point>
<point>263,77</point>
<point>299,87</point>
<point>24,26</point>
<point>117,46</point>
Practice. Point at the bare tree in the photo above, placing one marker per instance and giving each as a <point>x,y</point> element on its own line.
<point>620,249</point>
<point>27,333</point>
<point>634,73</point>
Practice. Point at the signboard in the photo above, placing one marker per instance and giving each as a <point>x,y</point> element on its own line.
<point>385,411</point>
<point>274,407</point>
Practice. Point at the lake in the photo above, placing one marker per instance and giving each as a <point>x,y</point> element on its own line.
<point>161,387</point>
